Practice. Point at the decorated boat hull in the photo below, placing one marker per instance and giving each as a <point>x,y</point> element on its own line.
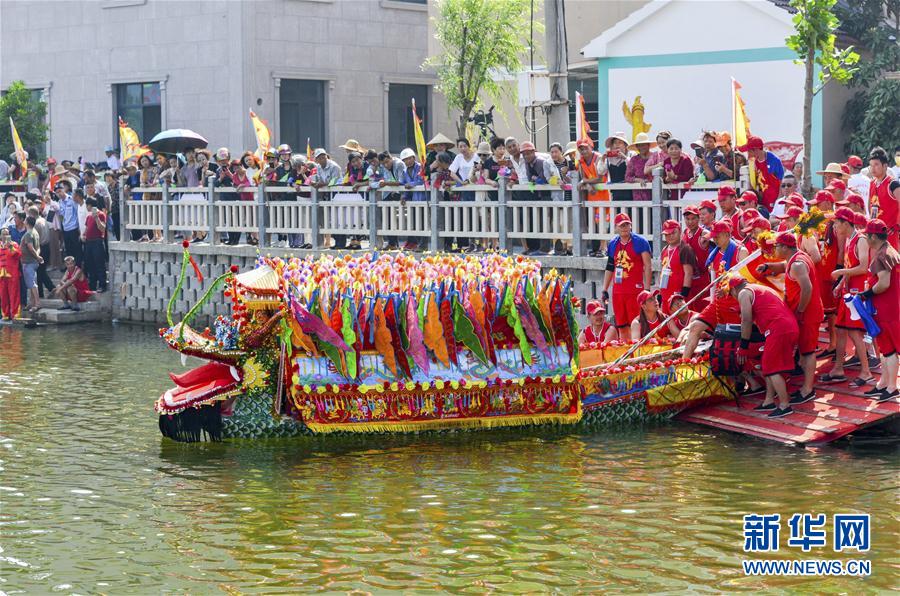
<point>484,351</point>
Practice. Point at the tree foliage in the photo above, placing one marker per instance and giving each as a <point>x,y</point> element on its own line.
<point>813,40</point>
<point>480,39</point>
<point>28,113</point>
<point>870,117</point>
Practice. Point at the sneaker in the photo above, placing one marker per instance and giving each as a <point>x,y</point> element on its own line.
<point>781,412</point>
<point>748,392</point>
<point>873,392</point>
<point>798,398</point>
<point>765,407</point>
<point>885,396</point>
<point>874,363</point>
<point>76,308</point>
<point>852,363</point>
<point>65,306</point>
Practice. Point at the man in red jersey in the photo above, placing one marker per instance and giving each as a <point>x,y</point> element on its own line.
<point>801,292</point>
<point>769,171</point>
<point>628,270</point>
<point>851,280</point>
<point>764,307</point>
<point>884,194</point>
<point>730,211</point>
<point>831,251</point>
<point>698,239</point>
<point>707,211</point>
<point>884,292</point>
<point>678,263</point>
<point>725,253</point>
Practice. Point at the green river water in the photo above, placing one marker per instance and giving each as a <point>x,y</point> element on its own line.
<point>94,500</point>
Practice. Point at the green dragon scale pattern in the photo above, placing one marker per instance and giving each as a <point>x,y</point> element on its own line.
<point>253,419</point>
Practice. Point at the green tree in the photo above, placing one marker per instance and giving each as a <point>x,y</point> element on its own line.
<point>28,113</point>
<point>480,38</point>
<point>870,117</point>
<point>814,43</point>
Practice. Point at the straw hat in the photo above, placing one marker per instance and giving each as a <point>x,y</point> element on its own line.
<point>484,148</point>
<point>353,145</point>
<point>571,148</point>
<point>59,170</point>
<point>832,168</point>
<point>642,138</point>
<point>616,135</point>
<point>439,139</point>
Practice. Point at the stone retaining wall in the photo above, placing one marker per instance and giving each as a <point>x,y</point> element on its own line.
<point>144,276</point>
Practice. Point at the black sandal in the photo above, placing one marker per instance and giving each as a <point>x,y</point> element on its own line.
<point>858,382</point>
<point>830,378</point>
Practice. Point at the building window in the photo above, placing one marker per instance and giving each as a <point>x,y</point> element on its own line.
<point>401,133</point>
<point>302,113</point>
<point>139,104</point>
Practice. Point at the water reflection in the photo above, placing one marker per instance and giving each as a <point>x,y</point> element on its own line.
<point>93,500</point>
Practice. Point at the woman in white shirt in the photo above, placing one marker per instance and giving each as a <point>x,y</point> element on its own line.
<point>464,162</point>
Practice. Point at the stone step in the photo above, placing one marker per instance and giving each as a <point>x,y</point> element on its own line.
<point>55,316</point>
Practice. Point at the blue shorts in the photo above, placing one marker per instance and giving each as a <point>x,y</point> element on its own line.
<point>29,274</point>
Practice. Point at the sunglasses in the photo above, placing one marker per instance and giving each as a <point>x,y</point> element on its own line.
<point>788,185</point>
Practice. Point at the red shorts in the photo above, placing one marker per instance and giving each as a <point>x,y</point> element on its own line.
<point>778,353</point>
<point>721,311</point>
<point>843,319</point>
<point>829,302</point>
<point>809,332</point>
<point>625,307</point>
<point>889,338</point>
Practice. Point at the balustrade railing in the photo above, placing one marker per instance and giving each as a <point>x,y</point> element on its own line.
<point>497,215</point>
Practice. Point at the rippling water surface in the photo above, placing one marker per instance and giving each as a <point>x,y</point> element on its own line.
<point>94,500</point>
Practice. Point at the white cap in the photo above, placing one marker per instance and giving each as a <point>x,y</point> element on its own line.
<point>407,153</point>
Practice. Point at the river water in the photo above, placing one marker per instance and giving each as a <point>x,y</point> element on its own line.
<point>93,500</point>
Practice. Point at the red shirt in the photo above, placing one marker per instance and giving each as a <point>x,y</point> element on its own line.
<point>9,260</point>
<point>701,253</point>
<point>814,308</point>
<point>589,336</point>
<point>675,258</point>
<point>880,196</point>
<point>91,231</point>
<point>828,247</point>
<point>770,313</point>
<point>632,264</point>
<point>736,224</point>
<point>851,259</point>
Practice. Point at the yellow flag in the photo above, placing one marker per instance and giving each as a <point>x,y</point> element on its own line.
<point>21,156</point>
<point>421,151</point>
<point>741,121</point>
<point>129,142</point>
<point>261,128</point>
<point>309,151</point>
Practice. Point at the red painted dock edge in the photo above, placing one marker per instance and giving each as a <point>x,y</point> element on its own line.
<point>837,411</point>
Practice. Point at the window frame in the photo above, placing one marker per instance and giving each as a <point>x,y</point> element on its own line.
<point>134,78</point>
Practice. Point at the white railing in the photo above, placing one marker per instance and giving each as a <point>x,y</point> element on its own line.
<point>500,215</point>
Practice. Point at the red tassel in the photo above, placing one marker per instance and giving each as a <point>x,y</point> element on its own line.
<point>196,267</point>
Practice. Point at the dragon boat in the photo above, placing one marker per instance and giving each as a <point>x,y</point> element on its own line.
<point>385,342</point>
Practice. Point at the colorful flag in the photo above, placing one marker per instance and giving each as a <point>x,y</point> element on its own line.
<point>261,128</point>
<point>21,156</point>
<point>130,143</point>
<point>309,154</point>
<point>420,138</point>
<point>582,128</point>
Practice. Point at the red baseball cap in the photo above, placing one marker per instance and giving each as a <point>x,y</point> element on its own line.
<point>749,215</point>
<point>854,161</point>
<point>876,226</point>
<point>622,218</point>
<point>752,143</point>
<point>795,198</point>
<point>845,214</point>
<point>594,306</point>
<point>526,146</point>
<point>860,219</point>
<point>837,183</point>
<point>670,225</point>
<point>691,210</point>
<point>673,298</point>
<point>845,168</point>
<point>759,222</point>
<point>748,196</point>
<point>794,212</point>
<point>853,199</point>
<point>787,239</point>
<point>734,280</point>
<point>646,295</point>
<point>723,226</point>
<point>727,191</point>
<point>707,204</point>
<point>823,196</point>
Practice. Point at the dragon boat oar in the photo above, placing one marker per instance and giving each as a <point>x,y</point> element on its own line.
<point>736,267</point>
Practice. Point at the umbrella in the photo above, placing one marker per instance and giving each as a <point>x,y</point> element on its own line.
<point>176,140</point>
